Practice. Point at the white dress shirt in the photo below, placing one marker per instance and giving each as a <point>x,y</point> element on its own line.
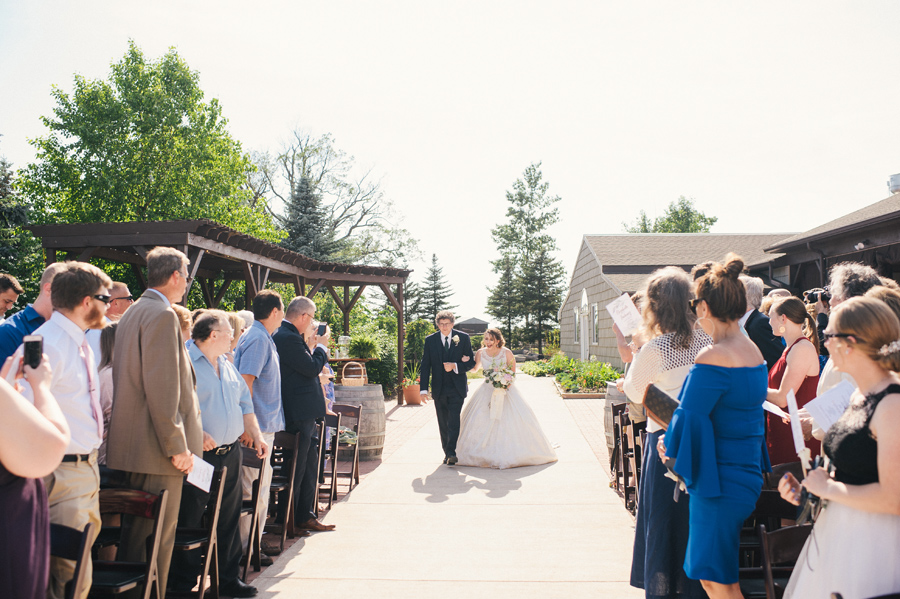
<point>69,383</point>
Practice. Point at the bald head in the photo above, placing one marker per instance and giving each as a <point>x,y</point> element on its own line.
<point>121,300</point>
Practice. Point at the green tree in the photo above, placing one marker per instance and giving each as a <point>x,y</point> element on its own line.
<point>503,298</point>
<point>412,302</point>
<point>20,252</point>
<point>306,225</point>
<point>142,145</point>
<point>542,286</point>
<point>680,217</point>
<point>363,220</point>
<point>436,291</point>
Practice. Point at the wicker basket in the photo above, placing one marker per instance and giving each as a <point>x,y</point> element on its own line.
<point>354,374</point>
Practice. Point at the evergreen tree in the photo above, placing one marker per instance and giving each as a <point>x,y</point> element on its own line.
<point>503,300</point>
<point>20,252</point>
<point>412,302</point>
<point>680,217</point>
<point>305,224</point>
<point>435,290</point>
<point>542,285</point>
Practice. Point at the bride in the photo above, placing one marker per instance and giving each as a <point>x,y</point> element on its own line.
<point>497,427</point>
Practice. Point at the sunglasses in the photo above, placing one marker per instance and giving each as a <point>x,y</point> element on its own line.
<point>128,298</point>
<point>854,338</point>
<point>103,298</point>
<point>694,303</point>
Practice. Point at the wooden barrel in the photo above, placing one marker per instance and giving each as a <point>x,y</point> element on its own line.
<point>613,396</point>
<point>371,419</point>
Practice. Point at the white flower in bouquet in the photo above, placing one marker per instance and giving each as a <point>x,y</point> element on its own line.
<point>501,377</point>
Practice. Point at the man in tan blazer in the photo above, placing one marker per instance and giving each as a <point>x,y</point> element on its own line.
<point>155,425</point>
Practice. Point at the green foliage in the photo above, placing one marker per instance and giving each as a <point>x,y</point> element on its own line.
<point>557,364</point>
<point>306,225</point>
<point>435,290</point>
<point>679,217</point>
<point>141,146</point>
<point>476,341</point>
<point>20,252</point>
<point>411,374</point>
<point>363,346</point>
<point>414,346</point>
<point>542,292</point>
<point>503,299</point>
<point>383,370</point>
<point>586,376</point>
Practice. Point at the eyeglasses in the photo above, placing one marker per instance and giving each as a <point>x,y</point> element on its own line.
<point>103,298</point>
<point>694,303</point>
<point>187,279</point>
<point>127,298</point>
<point>228,332</point>
<point>854,338</point>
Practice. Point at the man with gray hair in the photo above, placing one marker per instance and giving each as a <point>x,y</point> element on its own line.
<point>155,426</point>
<point>302,354</point>
<point>757,324</point>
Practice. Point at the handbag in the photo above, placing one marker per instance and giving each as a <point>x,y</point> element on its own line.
<point>660,405</point>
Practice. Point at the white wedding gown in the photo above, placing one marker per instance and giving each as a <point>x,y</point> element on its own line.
<point>506,436</point>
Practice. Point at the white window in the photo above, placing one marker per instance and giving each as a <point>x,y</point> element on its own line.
<point>595,324</point>
<point>577,326</point>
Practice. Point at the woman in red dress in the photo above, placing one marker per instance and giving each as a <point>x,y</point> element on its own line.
<point>797,369</point>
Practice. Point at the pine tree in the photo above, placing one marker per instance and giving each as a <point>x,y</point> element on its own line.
<point>542,284</point>
<point>412,302</point>
<point>307,228</point>
<point>435,290</point>
<point>503,301</point>
<point>20,252</point>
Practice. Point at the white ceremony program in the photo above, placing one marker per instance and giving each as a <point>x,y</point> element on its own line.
<point>201,475</point>
<point>828,407</point>
<point>624,314</point>
<point>797,432</point>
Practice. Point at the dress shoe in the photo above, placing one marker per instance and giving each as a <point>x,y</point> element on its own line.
<point>270,549</point>
<point>452,460</point>
<point>265,560</point>
<point>445,460</point>
<point>238,588</point>
<point>313,524</point>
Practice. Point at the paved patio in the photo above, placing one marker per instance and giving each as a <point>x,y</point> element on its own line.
<point>415,527</point>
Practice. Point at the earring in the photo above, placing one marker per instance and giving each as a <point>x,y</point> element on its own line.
<point>781,329</point>
<point>697,322</point>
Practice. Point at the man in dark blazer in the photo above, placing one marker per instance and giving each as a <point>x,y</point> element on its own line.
<point>757,324</point>
<point>303,400</point>
<point>446,359</point>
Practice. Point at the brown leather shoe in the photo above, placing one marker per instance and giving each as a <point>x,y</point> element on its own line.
<point>313,524</point>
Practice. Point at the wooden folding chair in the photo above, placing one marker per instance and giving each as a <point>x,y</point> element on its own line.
<point>251,509</point>
<point>284,461</point>
<point>770,510</point>
<point>73,544</point>
<point>350,416</point>
<point>615,457</point>
<point>328,460</point>
<point>636,455</point>
<point>204,539</point>
<point>780,550</point>
<point>114,578</point>
<point>626,457</point>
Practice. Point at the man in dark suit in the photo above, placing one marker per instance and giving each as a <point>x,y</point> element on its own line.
<point>304,403</point>
<point>446,359</point>
<point>757,324</point>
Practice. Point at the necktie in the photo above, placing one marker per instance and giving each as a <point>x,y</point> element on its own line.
<point>447,344</point>
<point>88,357</point>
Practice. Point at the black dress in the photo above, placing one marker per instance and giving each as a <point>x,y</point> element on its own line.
<point>851,551</point>
<point>24,537</point>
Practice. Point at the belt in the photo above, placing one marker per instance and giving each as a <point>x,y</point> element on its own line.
<point>223,449</point>
<point>78,457</point>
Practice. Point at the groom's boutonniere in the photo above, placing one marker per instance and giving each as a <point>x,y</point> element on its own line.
<point>455,339</point>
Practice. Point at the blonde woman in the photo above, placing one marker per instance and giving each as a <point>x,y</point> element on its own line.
<point>497,427</point>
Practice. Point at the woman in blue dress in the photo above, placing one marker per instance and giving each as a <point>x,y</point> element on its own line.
<point>716,439</point>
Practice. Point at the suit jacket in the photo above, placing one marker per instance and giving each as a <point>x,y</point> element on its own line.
<point>155,412</point>
<point>301,393</point>
<point>432,366</point>
<point>760,332</point>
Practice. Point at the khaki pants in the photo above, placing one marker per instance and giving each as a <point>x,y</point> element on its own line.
<point>136,530</point>
<point>249,475</point>
<point>73,495</point>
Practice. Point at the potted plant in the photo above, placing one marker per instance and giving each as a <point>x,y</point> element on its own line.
<point>411,385</point>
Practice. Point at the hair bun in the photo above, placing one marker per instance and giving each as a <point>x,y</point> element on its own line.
<point>734,266</point>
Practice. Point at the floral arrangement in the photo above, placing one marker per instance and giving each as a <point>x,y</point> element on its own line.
<point>501,377</point>
<point>455,339</point>
<point>411,375</point>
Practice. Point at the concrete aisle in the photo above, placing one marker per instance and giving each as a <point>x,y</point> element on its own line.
<point>417,528</point>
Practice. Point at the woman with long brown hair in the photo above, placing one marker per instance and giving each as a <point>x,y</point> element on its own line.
<point>796,370</point>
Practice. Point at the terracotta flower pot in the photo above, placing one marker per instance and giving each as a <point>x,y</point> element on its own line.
<point>411,395</point>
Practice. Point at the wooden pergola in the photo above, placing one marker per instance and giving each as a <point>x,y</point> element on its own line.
<point>217,252</point>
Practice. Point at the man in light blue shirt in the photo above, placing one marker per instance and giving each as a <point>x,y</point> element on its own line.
<point>227,414</point>
<point>256,358</point>
<point>26,321</point>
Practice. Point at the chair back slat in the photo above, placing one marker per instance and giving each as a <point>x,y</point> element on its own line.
<point>129,501</point>
<point>249,458</point>
<point>350,414</point>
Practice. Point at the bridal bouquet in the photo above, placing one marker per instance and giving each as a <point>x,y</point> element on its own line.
<point>501,378</point>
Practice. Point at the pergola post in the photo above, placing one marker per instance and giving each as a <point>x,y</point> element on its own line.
<point>401,336</point>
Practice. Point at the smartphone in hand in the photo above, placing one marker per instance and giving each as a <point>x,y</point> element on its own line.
<point>322,329</point>
<point>34,350</point>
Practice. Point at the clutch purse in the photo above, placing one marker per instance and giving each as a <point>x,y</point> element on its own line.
<point>660,405</point>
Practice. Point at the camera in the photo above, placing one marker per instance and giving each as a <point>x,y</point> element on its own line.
<point>813,295</point>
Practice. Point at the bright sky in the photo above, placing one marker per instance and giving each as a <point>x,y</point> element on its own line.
<point>773,116</point>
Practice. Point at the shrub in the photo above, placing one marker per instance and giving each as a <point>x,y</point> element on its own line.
<point>364,346</point>
<point>476,341</point>
<point>586,376</point>
<point>416,332</point>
